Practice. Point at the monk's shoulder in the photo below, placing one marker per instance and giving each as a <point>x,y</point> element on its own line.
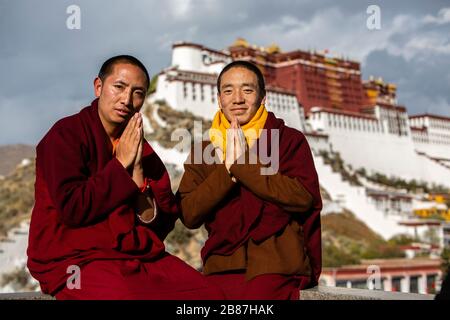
<point>66,129</point>
<point>293,136</point>
<point>69,122</point>
<point>287,134</point>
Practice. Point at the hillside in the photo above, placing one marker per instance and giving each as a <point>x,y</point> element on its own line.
<point>164,121</point>
<point>16,196</point>
<point>12,155</point>
<point>347,240</point>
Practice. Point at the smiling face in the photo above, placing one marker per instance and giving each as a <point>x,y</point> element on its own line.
<point>121,94</point>
<point>239,94</point>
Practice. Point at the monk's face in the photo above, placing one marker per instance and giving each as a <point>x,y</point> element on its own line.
<point>121,94</point>
<point>239,94</point>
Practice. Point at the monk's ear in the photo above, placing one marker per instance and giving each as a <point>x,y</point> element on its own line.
<point>263,101</point>
<point>98,84</point>
<point>218,101</point>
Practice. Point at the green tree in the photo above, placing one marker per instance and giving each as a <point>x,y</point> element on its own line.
<point>152,85</point>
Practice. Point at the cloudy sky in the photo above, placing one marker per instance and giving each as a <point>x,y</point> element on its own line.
<point>47,69</point>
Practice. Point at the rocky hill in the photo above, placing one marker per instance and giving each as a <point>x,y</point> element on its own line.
<point>16,196</point>
<point>164,121</point>
<point>12,155</point>
<point>347,240</point>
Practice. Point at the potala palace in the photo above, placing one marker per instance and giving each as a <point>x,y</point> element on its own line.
<point>326,98</point>
<point>356,130</point>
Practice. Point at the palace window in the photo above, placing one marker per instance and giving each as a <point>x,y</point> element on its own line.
<point>185,90</point>
<point>193,92</point>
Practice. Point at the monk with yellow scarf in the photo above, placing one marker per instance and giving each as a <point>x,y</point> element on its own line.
<point>263,230</point>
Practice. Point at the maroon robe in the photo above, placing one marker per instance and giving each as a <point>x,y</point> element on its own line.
<point>83,203</point>
<point>247,216</point>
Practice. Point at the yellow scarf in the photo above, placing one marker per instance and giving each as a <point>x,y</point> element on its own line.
<point>252,129</point>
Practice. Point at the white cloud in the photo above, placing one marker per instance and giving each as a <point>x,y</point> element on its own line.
<point>183,10</point>
<point>428,44</point>
<point>442,17</point>
<point>342,33</point>
<point>180,9</point>
<point>332,29</point>
<point>419,43</point>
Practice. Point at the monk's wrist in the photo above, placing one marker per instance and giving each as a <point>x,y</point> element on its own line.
<point>138,166</point>
<point>138,177</point>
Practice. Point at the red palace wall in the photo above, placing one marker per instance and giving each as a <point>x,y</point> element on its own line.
<point>313,85</point>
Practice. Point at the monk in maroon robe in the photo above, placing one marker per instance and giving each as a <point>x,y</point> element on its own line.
<point>103,202</point>
<point>263,219</point>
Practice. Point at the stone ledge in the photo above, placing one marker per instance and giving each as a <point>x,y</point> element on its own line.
<point>316,293</point>
<point>25,296</point>
<point>338,293</point>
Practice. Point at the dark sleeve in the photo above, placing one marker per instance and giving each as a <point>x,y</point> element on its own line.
<point>200,194</point>
<point>161,223</point>
<point>159,182</point>
<point>167,205</point>
<point>80,198</point>
<point>280,189</point>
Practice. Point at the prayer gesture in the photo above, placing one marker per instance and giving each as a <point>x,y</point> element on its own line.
<point>138,171</point>
<point>129,148</point>
<point>236,143</point>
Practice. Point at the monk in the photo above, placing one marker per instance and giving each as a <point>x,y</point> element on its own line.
<point>103,202</point>
<point>263,222</point>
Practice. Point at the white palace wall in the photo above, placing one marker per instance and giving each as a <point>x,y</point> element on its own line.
<point>431,135</point>
<point>376,151</point>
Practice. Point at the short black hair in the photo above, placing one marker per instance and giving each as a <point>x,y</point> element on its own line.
<point>108,65</point>
<point>249,66</point>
